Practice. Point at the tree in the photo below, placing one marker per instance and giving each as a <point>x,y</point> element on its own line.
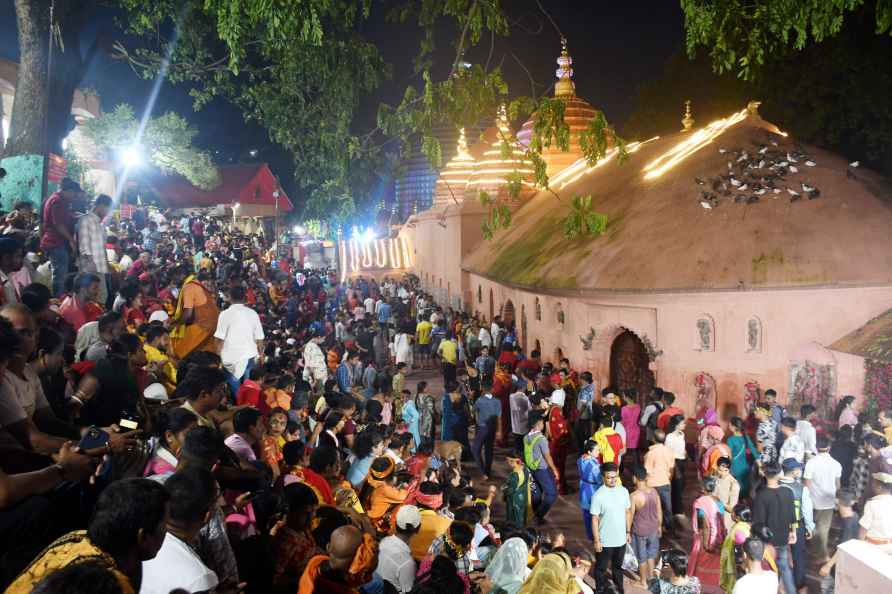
<point>33,106</point>
<point>166,141</point>
<point>743,35</point>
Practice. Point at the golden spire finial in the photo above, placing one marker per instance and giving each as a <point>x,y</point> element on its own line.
<point>688,120</point>
<point>564,87</point>
<point>502,121</point>
<point>462,147</point>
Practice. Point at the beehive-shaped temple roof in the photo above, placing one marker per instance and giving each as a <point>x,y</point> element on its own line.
<point>494,168</point>
<point>733,205</point>
<point>455,174</point>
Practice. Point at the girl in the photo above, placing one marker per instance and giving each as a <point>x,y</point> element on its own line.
<point>516,491</point>
<point>411,416</point>
<point>709,534</point>
<point>743,454</point>
<point>274,440</point>
<point>846,413</point>
<point>171,428</point>
<point>630,413</point>
<point>368,445</point>
<point>731,555</point>
<point>675,577</point>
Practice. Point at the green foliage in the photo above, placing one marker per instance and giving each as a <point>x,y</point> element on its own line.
<point>167,142</point>
<point>583,220</point>
<point>77,170</point>
<point>742,35</point>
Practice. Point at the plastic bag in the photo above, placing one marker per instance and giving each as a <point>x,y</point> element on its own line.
<point>630,561</point>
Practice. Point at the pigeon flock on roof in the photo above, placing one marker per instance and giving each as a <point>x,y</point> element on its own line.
<point>766,171</point>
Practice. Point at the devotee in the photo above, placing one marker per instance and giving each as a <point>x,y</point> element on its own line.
<point>806,430</point>
<point>193,495</point>
<point>846,413</point>
<point>822,477</point>
<point>611,511</point>
<point>675,577</point>
<point>11,258</point>
<point>127,528</point>
<point>293,544</point>
<point>743,453</point>
<point>351,559</point>
<point>590,480</point>
<point>793,447</point>
<point>727,490</point>
<point>161,368</point>
<point>773,507</point>
<point>395,563</point>
<point>675,441</point>
<point>538,461</point>
<point>659,462</point>
<point>756,580</point>
<point>94,338</point>
<point>239,336</point>
<point>81,306</point>
<point>487,411</point>
<point>195,318</point>
<point>766,435</point>
<point>91,240</point>
<point>647,525</point>
<point>707,522</point>
<point>57,239</point>
<point>876,521</point>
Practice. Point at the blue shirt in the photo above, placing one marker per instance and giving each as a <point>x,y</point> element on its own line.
<point>589,480</point>
<point>486,366</point>
<point>345,377</point>
<point>610,505</point>
<point>487,409</point>
<point>584,401</point>
<point>384,313</point>
<point>359,470</point>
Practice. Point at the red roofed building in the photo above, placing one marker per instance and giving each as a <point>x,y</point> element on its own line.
<point>251,187</point>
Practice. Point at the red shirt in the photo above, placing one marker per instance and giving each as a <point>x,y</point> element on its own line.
<point>56,213</point>
<point>663,419</point>
<point>249,393</point>
<point>77,314</point>
<point>531,365</point>
<point>508,358</point>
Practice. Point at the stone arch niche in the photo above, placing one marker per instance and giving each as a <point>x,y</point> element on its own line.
<point>753,335</point>
<point>704,333</point>
<point>811,377</point>
<point>630,363</point>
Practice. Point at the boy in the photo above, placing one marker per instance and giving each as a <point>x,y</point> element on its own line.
<point>647,523</point>
<point>793,446</point>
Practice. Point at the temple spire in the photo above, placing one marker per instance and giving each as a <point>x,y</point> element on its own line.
<point>688,120</point>
<point>564,86</point>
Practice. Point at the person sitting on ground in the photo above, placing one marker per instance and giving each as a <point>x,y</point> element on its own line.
<point>127,528</point>
<point>293,544</point>
<point>193,498</point>
<point>349,563</point>
<point>673,578</point>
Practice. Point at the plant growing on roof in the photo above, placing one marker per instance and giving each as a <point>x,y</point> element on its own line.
<point>652,353</point>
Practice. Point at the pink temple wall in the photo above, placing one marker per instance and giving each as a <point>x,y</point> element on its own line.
<point>795,324</point>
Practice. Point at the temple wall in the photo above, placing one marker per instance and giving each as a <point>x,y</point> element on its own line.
<point>794,324</point>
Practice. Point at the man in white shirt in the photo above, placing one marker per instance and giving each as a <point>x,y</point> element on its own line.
<point>793,446</point>
<point>240,337</point>
<point>756,580</point>
<point>822,477</point>
<point>395,563</point>
<point>519,405</point>
<point>495,332</point>
<point>484,337</point>
<point>806,431</point>
<point>369,305</point>
<point>193,497</point>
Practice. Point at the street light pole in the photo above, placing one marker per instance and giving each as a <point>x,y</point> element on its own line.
<point>276,196</point>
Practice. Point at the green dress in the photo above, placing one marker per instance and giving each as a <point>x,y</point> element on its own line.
<point>517,496</point>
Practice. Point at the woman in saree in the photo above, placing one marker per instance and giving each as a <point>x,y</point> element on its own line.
<point>709,534</point>
<point>553,574</point>
<point>507,570</point>
<point>743,454</point>
<point>517,492</point>
<point>195,319</point>
<point>737,535</point>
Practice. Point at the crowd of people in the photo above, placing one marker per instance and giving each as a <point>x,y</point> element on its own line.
<point>182,409</point>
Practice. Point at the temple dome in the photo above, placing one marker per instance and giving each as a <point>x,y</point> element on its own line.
<point>662,237</point>
<point>577,115</point>
<point>493,168</point>
<point>455,175</point>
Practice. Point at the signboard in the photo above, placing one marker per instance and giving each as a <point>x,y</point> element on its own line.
<point>57,168</point>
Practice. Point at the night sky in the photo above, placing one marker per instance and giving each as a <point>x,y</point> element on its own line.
<point>616,46</point>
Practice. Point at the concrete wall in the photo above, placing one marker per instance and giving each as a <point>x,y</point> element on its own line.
<point>795,324</point>
<point>863,567</point>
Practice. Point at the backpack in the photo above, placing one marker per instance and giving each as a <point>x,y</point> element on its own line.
<point>796,489</point>
<point>528,458</point>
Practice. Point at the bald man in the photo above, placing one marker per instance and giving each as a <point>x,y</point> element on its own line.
<point>349,564</point>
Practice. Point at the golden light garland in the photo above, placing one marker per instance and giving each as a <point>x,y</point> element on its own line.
<point>357,255</point>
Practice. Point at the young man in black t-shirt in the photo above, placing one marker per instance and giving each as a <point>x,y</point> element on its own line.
<point>773,507</point>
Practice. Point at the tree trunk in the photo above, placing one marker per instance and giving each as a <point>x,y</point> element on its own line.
<point>29,109</point>
<point>33,106</point>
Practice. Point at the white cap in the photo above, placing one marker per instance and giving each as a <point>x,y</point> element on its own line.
<point>408,517</point>
<point>155,392</point>
<point>558,397</point>
<point>159,315</point>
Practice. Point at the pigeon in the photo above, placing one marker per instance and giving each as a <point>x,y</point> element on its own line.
<point>763,150</point>
<point>791,159</point>
<point>761,164</point>
<point>743,188</point>
<point>758,192</point>
<point>810,163</point>
<point>723,151</point>
<point>793,169</point>
<point>706,205</point>
<point>743,157</point>
<point>807,188</point>
<point>776,190</point>
<point>783,164</point>
<point>773,143</point>
<point>735,182</point>
<point>792,192</point>
<point>699,181</point>
<point>730,167</point>
<point>855,164</point>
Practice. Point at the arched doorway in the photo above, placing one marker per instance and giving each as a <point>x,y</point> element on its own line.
<point>629,365</point>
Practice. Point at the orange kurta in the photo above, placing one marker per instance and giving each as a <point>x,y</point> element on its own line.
<point>199,335</point>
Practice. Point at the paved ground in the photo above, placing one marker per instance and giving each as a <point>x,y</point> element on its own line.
<point>566,515</point>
